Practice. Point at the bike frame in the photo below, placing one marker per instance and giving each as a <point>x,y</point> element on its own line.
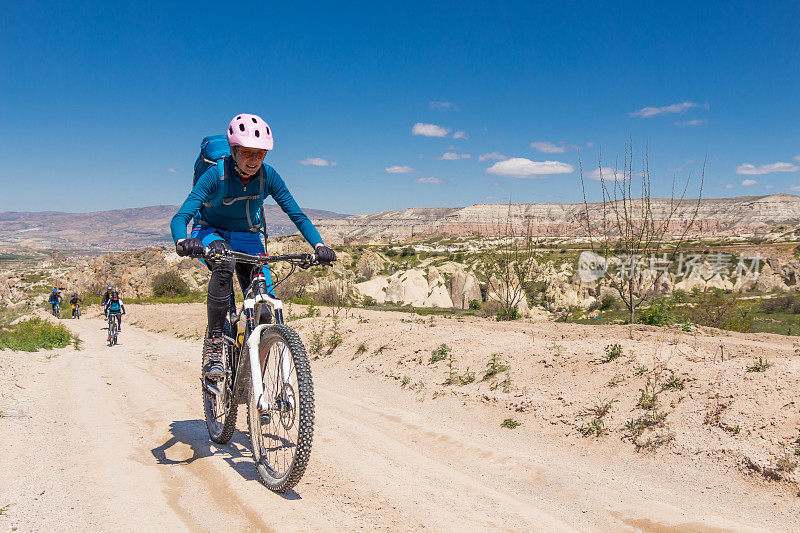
<point>252,332</point>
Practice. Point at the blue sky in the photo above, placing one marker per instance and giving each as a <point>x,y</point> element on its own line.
<point>103,105</point>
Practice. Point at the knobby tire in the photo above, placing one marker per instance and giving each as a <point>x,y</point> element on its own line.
<point>220,425</point>
<point>270,451</point>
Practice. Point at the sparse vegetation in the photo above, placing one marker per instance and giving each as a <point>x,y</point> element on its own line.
<point>613,351</point>
<point>494,367</point>
<point>510,423</point>
<point>760,365</point>
<point>35,334</point>
<point>440,353</point>
<point>169,284</point>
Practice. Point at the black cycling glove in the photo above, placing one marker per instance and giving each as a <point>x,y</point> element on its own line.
<point>325,254</point>
<point>191,247</point>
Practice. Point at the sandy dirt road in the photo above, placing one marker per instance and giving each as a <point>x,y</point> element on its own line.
<point>113,439</point>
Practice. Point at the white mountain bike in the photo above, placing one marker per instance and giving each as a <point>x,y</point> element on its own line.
<point>280,400</point>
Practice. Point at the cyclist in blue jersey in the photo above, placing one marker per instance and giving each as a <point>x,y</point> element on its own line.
<point>115,308</point>
<point>226,213</point>
<point>55,300</point>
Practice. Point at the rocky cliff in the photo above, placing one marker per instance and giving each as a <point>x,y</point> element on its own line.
<point>715,217</point>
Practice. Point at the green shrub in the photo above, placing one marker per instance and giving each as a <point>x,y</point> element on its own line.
<point>782,304</point>
<point>659,313</point>
<point>613,351</point>
<point>169,284</point>
<point>510,423</point>
<point>475,304</point>
<point>440,353</point>
<point>512,314</point>
<point>34,334</point>
<point>369,301</point>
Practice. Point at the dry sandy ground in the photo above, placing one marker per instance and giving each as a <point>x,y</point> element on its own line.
<point>113,438</point>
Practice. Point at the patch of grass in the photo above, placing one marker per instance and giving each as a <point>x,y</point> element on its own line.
<point>494,367</point>
<point>613,351</point>
<point>317,340</point>
<point>759,366</point>
<point>510,423</point>
<point>405,381</point>
<point>674,383</point>
<point>614,381</point>
<point>380,349</point>
<point>440,353</point>
<point>640,371</point>
<point>335,340</point>
<point>362,348</point>
<point>4,509</point>
<point>33,335</point>
<point>595,425</point>
<point>786,462</point>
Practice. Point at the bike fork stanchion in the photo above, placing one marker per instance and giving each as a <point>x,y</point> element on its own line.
<point>255,367</point>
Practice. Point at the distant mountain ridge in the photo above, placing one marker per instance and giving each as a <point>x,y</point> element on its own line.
<point>121,229</point>
<point>148,226</point>
<point>716,217</point>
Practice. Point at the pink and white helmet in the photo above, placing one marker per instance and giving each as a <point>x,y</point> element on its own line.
<point>250,131</point>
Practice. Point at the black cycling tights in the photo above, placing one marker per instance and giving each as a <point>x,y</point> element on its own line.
<point>220,288</point>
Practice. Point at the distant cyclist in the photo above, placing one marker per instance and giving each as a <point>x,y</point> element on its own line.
<point>106,298</point>
<point>75,301</point>
<point>115,308</point>
<point>226,210</point>
<point>55,301</point>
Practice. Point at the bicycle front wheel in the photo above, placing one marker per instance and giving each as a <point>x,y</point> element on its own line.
<point>281,434</point>
<point>112,332</point>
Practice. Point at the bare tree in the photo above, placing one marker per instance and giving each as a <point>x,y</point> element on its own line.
<point>640,230</point>
<point>509,263</point>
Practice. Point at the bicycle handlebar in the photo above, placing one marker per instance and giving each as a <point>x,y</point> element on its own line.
<point>302,260</point>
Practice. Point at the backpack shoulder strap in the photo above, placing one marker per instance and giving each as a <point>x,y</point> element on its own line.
<point>221,168</point>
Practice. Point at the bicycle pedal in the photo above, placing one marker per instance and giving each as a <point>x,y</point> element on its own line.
<point>265,418</point>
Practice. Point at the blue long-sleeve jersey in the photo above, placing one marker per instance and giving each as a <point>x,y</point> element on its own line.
<point>229,204</point>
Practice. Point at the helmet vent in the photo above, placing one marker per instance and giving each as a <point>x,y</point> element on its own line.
<point>241,127</point>
<point>239,117</point>
<point>230,129</point>
<point>258,133</point>
<point>254,120</point>
<point>267,130</point>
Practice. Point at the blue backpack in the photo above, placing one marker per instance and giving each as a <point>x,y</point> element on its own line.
<point>213,151</point>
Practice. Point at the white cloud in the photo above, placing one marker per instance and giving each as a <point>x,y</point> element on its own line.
<point>769,186</point>
<point>492,197</point>
<point>430,180</point>
<point>492,155</point>
<point>794,188</point>
<point>550,148</point>
<point>318,162</point>
<point>399,170</point>
<point>646,112</point>
<point>797,158</point>
<point>460,135</point>
<point>608,174</point>
<point>443,106</point>
<point>748,169</point>
<point>429,130</point>
<point>173,171</point>
<point>695,122</point>
<point>520,167</point>
<point>452,156</point>
<point>729,185</point>
<point>675,169</point>
<point>747,183</point>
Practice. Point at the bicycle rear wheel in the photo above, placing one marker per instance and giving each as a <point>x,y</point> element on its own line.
<point>281,435</point>
<point>218,406</point>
